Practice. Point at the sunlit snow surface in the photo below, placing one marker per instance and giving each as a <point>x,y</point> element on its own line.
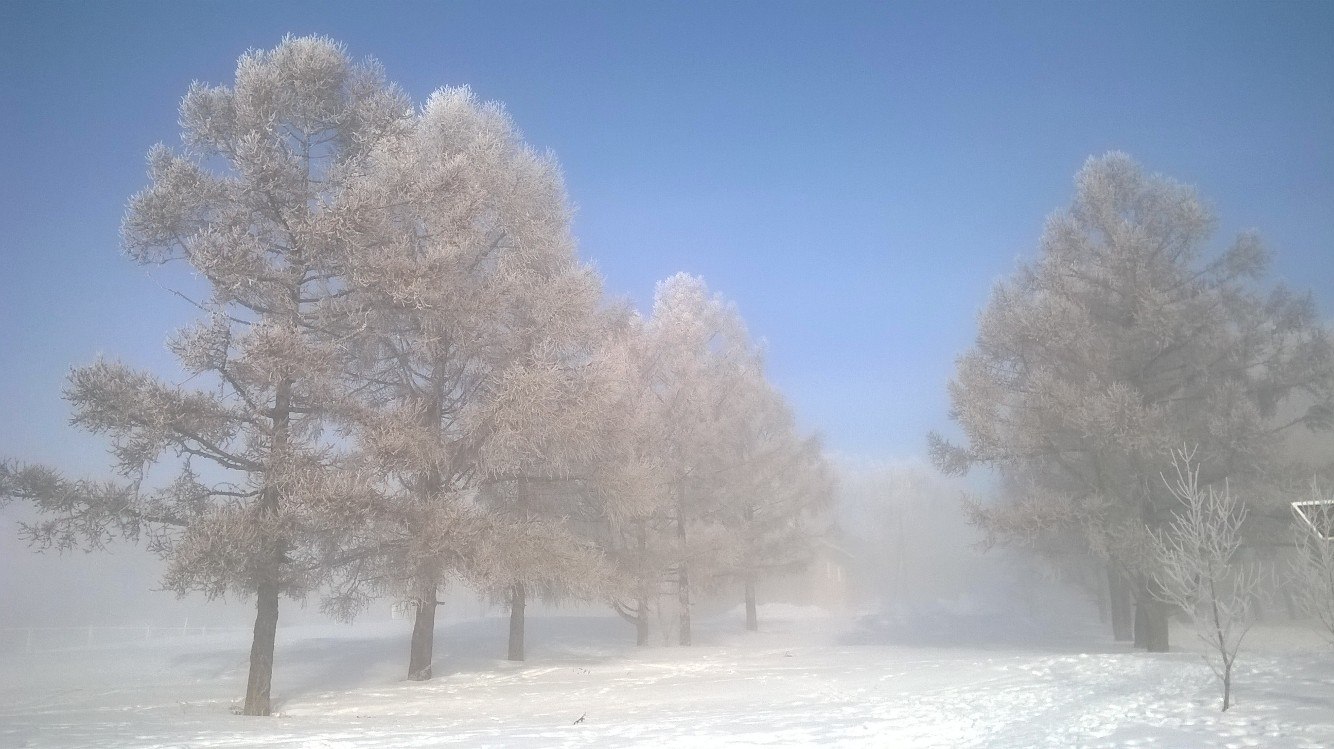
<point>807,680</point>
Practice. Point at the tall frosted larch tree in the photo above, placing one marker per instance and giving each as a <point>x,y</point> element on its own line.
<point>1121,342</point>
<point>639,537</point>
<point>773,490</point>
<point>557,431</point>
<point>257,204</point>
<point>701,362</point>
<point>476,326</point>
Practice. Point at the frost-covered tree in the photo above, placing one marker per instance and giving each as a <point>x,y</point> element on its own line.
<point>710,476</point>
<point>1120,342</point>
<point>708,481</point>
<point>1200,569</point>
<point>637,504</point>
<point>256,203</point>
<point>773,487</point>
<point>534,551</point>
<point>477,326</point>
<point>685,374</point>
<point>702,361</point>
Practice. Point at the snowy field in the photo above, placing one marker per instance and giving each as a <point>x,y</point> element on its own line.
<point>807,680</point>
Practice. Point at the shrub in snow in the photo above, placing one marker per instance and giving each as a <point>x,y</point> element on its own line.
<point>1199,569</point>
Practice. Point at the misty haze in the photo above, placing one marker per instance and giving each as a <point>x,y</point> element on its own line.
<point>591,374</point>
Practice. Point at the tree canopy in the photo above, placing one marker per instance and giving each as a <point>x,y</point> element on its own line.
<point>1119,343</point>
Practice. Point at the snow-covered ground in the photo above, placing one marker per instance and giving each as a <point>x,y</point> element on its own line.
<point>808,679</point>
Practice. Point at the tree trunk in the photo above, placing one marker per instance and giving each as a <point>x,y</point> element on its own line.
<point>641,623</point>
<point>421,652</point>
<point>1118,594</point>
<point>1151,632</point>
<point>1157,639</point>
<point>259,683</point>
<point>1290,605</point>
<point>1139,639</point>
<point>683,598</point>
<point>683,574</point>
<point>641,603</point>
<point>423,636</point>
<point>1227,686</point>
<point>752,620</point>
<point>518,600</point>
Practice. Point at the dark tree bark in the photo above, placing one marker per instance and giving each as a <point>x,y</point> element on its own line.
<point>752,619</point>
<point>421,653</point>
<point>1151,615</point>
<point>1118,594</point>
<point>259,683</point>
<point>636,615</point>
<point>518,599</point>
<point>1156,639</point>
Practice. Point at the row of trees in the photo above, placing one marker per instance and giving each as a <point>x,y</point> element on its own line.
<point>404,376</point>
<point>1120,344</point>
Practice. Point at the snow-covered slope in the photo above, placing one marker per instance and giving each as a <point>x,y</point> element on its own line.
<point>807,680</point>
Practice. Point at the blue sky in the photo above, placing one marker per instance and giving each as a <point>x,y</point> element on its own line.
<point>855,176</point>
